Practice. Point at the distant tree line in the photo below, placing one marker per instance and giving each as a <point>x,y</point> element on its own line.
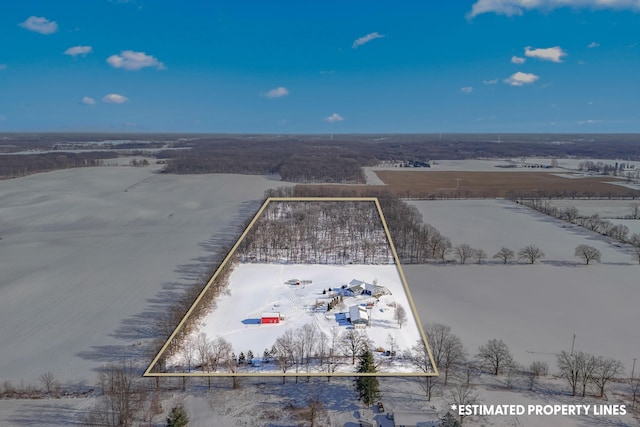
<point>295,161</point>
<point>17,165</point>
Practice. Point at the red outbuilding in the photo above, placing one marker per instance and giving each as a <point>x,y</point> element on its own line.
<point>270,318</point>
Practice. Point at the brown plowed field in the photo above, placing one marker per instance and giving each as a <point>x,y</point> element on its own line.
<point>451,184</point>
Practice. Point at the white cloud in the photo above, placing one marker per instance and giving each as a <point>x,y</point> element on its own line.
<point>78,50</point>
<point>490,82</point>
<point>3,67</point>
<point>593,44</point>
<point>130,60</point>
<point>589,122</point>
<point>554,54</point>
<point>518,60</point>
<point>466,89</point>
<point>335,117</point>
<point>328,72</point>
<point>114,98</point>
<point>40,24</point>
<point>521,79</point>
<point>88,101</point>
<point>277,92</point>
<point>518,7</point>
<point>366,39</point>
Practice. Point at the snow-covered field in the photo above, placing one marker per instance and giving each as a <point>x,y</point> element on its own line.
<point>255,289</point>
<point>86,265</point>
<point>535,309</point>
<point>90,256</point>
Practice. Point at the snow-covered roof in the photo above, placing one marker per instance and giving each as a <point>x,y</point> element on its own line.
<point>271,314</point>
<point>358,312</point>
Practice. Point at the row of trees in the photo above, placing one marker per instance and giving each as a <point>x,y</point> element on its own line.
<point>595,223</point>
<point>583,372</point>
<point>294,349</point>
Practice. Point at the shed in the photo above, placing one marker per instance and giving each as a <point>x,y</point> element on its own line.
<point>358,315</point>
<point>272,317</point>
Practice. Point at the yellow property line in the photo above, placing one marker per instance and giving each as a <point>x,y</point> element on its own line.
<point>375,200</point>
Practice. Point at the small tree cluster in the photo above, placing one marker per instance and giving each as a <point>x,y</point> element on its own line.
<point>465,252</point>
<point>581,370</point>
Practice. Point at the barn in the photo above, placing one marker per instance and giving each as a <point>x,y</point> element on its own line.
<point>272,317</point>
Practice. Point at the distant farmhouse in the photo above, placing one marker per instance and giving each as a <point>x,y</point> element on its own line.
<point>358,287</point>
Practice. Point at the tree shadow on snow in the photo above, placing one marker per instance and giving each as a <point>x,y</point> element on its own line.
<point>137,330</point>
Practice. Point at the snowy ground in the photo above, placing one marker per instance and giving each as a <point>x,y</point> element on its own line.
<point>535,309</point>
<point>91,255</point>
<point>260,288</point>
<point>85,264</point>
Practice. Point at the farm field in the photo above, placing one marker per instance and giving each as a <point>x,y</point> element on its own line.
<point>423,183</point>
<point>91,256</point>
<point>64,308</point>
<point>535,309</point>
<point>492,184</point>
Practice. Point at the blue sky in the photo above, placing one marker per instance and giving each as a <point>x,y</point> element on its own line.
<point>294,66</point>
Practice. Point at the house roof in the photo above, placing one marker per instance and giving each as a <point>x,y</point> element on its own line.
<point>357,312</point>
<point>271,314</point>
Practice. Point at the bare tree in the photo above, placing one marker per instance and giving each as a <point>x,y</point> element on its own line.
<point>587,365</point>
<point>479,255</point>
<point>48,380</point>
<point>570,214</point>
<point>462,395</point>
<point>121,397</point>
<point>392,342</point>
<point>537,369</point>
<point>636,253</point>
<point>530,253</point>
<point>400,315</point>
<point>496,354</point>
<point>420,359</point>
<point>355,342</point>
<point>285,351</point>
<point>446,347</point>
<point>505,255</point>
<point>635,211</point>
<point>463,252</point>
<point>587,253</point>
<point>606,370</point>
<point>569,369</point>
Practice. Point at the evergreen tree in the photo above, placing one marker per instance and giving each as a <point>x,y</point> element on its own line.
<point>368,387</point>
<point>177,417</point>
<point>449,420</point>
<point>249,356</point>
<point>241,358</point>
